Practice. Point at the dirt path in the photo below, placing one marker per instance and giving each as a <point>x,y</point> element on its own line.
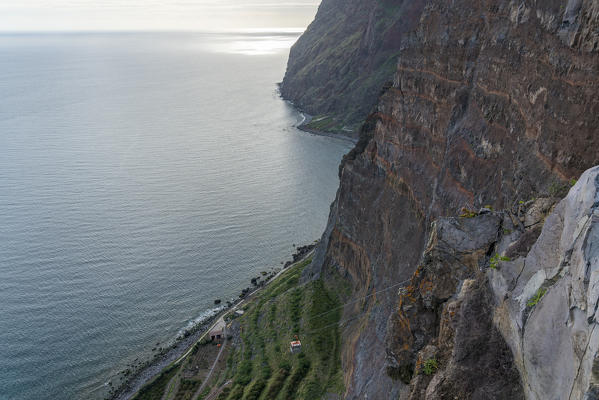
<point>172,387</point>
<point>209,375</point>
<point>217,391</point>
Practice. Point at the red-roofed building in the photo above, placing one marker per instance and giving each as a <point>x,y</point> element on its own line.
<point>295,347</point>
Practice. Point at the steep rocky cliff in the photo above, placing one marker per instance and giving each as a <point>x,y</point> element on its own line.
<point>492,103</point>
<point>337,68</point>
<point>504,304</point>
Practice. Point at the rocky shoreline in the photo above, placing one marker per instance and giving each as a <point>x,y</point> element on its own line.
<point>136,377</point>
<point>151,369</point>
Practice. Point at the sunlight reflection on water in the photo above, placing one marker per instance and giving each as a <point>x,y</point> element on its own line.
<point>255,44</point>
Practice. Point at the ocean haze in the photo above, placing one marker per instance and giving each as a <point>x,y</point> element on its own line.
<point>153,15</point>
<point>142,176</point>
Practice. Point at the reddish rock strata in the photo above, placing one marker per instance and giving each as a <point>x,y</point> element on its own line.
<point>492,102</point>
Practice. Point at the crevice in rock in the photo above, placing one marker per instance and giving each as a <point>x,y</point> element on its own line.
<point>581,362</point>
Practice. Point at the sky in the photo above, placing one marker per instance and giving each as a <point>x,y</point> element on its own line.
<point>150,15</point>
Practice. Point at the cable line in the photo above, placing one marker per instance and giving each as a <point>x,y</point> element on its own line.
<point>335,324</point>
<point>358,299</point>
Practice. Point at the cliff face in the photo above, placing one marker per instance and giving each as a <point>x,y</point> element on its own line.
<point>492,102</point>
<point>443,342</point>
<point>546,300</point>
<point>338,67</point>
<point>504,304</point>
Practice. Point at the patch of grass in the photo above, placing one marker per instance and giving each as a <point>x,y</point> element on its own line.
<point>244,373</point>
<point>202,395</point>
<point>224,394</point>
<point>494,262</point>
<point>430,366</point>
<point>187,388</point>
<point>313,388</point>
<point>323,123</point>
<point>248,366</point>
<point>286,281</point>
<point>324,312</point>
<point>236,393</point>
<point>255,390</point>
<point>534,300</point>
<point>155,389</point>
<point>272,313</point>
<point>297,375</point>
<point>559,189</point>
<point>278,380</point>
<point>295,311</point>
<point>466,213</point>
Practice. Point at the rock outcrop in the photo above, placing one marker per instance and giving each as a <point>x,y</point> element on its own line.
<point>492,103</point>
<point>495,327</point>
<point>445,317</point>
<point>547,300</point>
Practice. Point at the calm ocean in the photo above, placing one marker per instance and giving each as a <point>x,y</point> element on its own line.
<point>142,176</point>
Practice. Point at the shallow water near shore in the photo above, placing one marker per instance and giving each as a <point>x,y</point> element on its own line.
<point>142,176</point>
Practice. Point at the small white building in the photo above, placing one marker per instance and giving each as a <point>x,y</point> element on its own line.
<point>295,347</point>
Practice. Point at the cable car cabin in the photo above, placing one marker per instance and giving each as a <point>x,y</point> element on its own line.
<point>295,347</point>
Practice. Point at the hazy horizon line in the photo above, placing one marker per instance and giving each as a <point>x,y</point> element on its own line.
<point>286,30</point>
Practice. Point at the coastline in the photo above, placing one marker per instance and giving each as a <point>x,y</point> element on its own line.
<point>179,350</point>
<point>307,118</point>
<point>183,347</point>
<point>173,355</point>
<point>304,126</point>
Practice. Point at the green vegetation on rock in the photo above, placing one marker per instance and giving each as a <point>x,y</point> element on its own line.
<point>430,366</point>
<point>259,364</point>
<point>494,262</point>
<point>534,300</point>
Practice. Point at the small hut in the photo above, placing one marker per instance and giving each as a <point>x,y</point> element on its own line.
<point>218,330</point>
<point>295,347</point>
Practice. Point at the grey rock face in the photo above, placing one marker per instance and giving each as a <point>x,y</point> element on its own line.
<point>578,28</point>
<point>498,327</point>
<point>548,311</point>
<point>445,318</point>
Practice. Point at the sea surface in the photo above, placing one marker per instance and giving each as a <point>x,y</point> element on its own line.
<point>142,176</point>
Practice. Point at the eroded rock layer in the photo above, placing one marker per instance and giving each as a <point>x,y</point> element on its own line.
<point>493,102</point>
<point>475,323</point>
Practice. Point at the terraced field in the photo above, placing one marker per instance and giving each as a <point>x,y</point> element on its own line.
<point>259,364</point>
<point>262,367</point>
